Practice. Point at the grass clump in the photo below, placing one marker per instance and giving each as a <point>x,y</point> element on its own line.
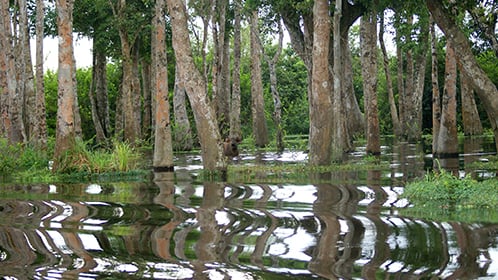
<point>445,190</point>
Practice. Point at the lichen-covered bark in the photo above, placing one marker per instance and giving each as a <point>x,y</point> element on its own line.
<point>195,86</point>
<point>40,129</point>
<point>235,130</point>
<point>320,102</point>
<point>436,97</point>
<point>182,131</point>
<point>163,148</point>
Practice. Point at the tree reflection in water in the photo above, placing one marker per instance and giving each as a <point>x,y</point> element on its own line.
<point>182,230</point>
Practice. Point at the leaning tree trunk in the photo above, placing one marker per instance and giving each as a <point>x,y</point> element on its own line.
<point>259,127</point>
<point>65,136</point>
<point>368,46</point>
<point>447,143</point>
<point>484,87</point>
<point>163,148</point>
<point>195,86</point>
<point>320,104</point>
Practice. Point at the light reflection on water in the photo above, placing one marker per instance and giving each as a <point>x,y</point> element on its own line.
<point>184,229</point>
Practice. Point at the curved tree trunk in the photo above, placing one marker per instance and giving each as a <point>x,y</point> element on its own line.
<point>484,87</point>
<point>470,116</point>
<point>195,86</point>
<point>320,102</point>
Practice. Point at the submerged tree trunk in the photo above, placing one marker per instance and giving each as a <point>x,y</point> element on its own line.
<point>182,131</point>
<point>259,127</point>
<point>320,103</point>
<point>277,104</point>
<point>470,116</point>
<point>65,136</point>
<point>195,86</point>
<point>163,147</point>
<point>368,46</point>
<point>447,143</point>
<point>484,87</point>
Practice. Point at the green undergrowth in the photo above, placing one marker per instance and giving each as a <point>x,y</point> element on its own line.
<point>444,196</point>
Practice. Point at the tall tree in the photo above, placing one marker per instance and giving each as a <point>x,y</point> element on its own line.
<point>235,130</point>
<point>195,86</point>
<point>320,102</point>
<point>65,137</point>
<point>436,96</point>
<point>368,46</point>
<point>482,84</point>
<point>26,76</point>
<point>389,83</point>
<point>277,104</point>
<point>40,128</point>
<point>163,147</point>
<point>259,127</point>
<point>129,26</point>
<point>447,142</point>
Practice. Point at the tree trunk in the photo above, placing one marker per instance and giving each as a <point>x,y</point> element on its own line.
<point>484,87</point>
<point>100,136</point>
<point>447,143</point>
<point>368,46</point>
<point>183,132</point>
<point>40,129</point>
<point>470,116</point>
<point>277,104</point>
<point>27,78</point>
<point>389,84</point>
<point>356,120</point>
<point>341,140</point>
<point>131,124</point>
<point>259,127</point>
<point>65,136</point>
<point>147,123</point>
<point>320,103</point>
<point>195,86</point>
<point>163,147</point>
<point>436,97</point>
<point>235,130</point>
<point>13,119</point>
<point>4,69</point>
<point>221,67</point>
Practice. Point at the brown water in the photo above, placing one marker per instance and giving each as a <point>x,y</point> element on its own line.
<point>348,225</point>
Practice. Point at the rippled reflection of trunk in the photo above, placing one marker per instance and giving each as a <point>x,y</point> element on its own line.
<point>161,237</point>
<point>206,248</point>
<point>325,254</point>
<point>382,251</point>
